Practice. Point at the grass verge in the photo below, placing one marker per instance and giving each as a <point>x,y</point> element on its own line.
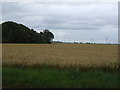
<point>56,78</point>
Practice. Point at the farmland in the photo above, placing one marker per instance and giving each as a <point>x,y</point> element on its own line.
<point>62,55</point>
<point>52,58</point>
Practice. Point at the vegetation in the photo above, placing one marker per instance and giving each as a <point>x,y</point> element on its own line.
<point>18,33</point>
<point>56,65</point>
<point>60,65</point>
<point>60,55</point>
<point>55,78</point>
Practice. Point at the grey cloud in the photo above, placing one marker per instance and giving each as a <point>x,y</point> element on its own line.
<point>95,18</point>
<point>77,16</point>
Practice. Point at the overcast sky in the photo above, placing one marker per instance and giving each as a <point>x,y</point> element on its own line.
<point>71,21</point>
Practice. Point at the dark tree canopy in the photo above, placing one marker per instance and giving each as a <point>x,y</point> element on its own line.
<point>18,33</point>
<point>48,35</point>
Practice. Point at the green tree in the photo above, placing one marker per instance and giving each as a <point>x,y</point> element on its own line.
<point>48,35</point>
<point>13,32</point>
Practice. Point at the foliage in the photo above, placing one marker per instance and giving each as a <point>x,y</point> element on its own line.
<point>18,33</point>
<point>55,78</point>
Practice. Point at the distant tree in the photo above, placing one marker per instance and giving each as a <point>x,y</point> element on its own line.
<point>13,32</point>
<point>0,33</point>
<point>48,35</point>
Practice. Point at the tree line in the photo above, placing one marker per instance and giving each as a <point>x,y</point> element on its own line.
<point>13,32</point>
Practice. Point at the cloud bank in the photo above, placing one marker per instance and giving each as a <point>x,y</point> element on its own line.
<point>82,21</point>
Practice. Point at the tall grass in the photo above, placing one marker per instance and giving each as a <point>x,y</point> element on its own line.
<point>78,56</point>
<point>54,78</point>
<point>60,66</point>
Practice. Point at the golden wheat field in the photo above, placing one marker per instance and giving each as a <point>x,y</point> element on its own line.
<point>60,55</point>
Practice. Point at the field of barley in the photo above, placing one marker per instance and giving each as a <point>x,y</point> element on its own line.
<point>60,66</point>
<point>60,55</point>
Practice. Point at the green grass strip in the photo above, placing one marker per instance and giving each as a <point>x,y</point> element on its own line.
<point>54,78</point>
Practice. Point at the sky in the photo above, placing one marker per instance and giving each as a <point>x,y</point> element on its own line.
<point>68,21</point>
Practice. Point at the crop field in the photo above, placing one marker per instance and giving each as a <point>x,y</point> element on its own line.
<point>60,65</point>
<point>60,55</point>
